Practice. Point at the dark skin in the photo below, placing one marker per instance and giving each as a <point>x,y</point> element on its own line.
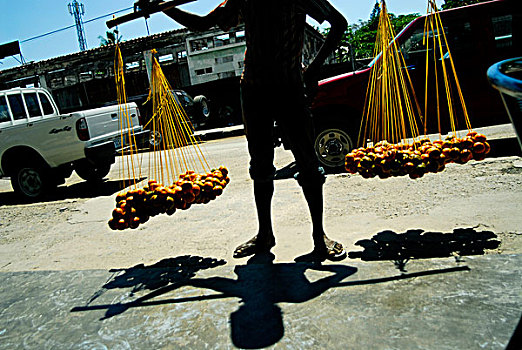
<point>324,248</point>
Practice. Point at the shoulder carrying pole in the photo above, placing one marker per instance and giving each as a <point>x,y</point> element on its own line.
<point>160,6</point>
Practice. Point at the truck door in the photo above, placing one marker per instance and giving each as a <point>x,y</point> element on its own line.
<point>53,136</point>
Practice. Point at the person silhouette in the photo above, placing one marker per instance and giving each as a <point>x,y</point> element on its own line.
<point>275,87</point>
<point>261,285</point>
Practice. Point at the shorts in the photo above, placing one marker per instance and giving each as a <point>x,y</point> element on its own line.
<point>261,107</point>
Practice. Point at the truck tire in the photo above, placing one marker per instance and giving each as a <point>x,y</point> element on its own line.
<point>91,172</point>
<point>31,182</point>
<point>201,109</point>
<point>331,146</point>
<point>155,139</point>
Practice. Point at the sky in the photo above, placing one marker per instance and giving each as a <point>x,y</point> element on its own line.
<point>24,20</point>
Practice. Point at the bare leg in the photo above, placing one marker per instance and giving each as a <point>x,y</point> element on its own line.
<point>264,240</point>
<point>323,246</point>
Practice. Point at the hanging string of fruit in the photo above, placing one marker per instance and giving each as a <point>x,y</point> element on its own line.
<point>179,152</point>
<point>424,156</point>
<point>389,131</point>
<point>135,207</point>
<point>129,171</point>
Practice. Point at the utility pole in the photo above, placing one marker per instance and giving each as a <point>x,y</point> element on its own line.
<point>77,10</point>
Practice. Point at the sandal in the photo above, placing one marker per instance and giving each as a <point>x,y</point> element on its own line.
<point>251,248</point>
<point>334,252</point>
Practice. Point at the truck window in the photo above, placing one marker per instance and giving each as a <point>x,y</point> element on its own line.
<point>17,106</point>
<point>46,104</point>
<point>31,101</point>
<point>459,35</point>
<point>4,111</point>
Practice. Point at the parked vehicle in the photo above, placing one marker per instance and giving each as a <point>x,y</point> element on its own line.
<point>478,36</point>
<point>197,110</point>
<point>39,147</point>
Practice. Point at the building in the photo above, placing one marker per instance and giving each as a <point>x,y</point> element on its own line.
<point>207,63</point>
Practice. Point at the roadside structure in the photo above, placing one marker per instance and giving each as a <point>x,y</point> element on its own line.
<point>208,63</point>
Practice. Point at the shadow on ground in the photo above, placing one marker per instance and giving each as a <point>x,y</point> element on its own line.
<point>418,244</point>
<point>290,170</point>
<point>83,189</point>
<point>260,285</point>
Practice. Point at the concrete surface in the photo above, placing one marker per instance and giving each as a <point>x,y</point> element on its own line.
<point>439,304</point>
<point>450,278</point>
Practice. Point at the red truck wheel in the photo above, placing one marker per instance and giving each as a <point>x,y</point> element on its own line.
<point>331,146</point>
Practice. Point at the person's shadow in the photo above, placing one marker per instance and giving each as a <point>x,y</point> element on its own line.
<point>260,285</point>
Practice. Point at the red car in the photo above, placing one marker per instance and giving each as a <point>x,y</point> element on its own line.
<point>478,36</point>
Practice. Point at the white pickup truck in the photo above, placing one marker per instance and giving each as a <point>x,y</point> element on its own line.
<point>39,147</point>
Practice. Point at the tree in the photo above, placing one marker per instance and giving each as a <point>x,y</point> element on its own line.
<point>361,36</point>
<point>112,37</point>
<point>449,4</point>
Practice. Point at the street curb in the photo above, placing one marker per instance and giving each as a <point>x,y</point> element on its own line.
<point>500,147</point>
<point>214,134</point>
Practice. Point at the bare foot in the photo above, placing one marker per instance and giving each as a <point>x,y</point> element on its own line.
<point>254,246</point>
<point>325,249</point>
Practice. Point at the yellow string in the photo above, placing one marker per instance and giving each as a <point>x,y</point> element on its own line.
<point>389,111</point>
<point>434,24</point>
<point>179,150</point>
<point>127,136</point>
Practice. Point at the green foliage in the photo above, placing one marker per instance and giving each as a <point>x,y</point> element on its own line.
<point>361,36</point>
<point>112,37</point>
<point>450,4</point>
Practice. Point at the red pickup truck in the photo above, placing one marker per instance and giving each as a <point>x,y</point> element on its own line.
<point>478,36</point>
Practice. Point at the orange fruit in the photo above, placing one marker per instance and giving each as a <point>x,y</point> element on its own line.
<point>465,155</point>
<point>454,153</point>
<point>113,224</point>
<point>479,138</point>
<point>134,222</point>
<point>186,186</point>
<point>196,189</point>
<point>122,224</point>
<point>487,148</point>
<point>189,197</point>
<point>479,147</point>
<point>434,153</point>
<point>117,213</point>
<point>218,190</point>
<point>223,170</point>
<point>121,196</point>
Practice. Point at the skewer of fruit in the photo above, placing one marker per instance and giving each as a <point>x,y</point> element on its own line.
<point>424,156</point>
<point>135,207</point>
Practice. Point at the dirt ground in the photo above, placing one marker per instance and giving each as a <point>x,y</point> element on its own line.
<point>70,232</point>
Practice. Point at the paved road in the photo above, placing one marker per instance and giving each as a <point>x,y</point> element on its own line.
<point>434,264</point>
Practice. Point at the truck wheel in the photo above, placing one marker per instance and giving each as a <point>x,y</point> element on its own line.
<point>202,109</point>
<point>331,146</point>
<point>31,182</point>
<point>92,172</point>
<point>155,139</point>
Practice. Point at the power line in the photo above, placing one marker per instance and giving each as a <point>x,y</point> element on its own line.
<point>74,25</point>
